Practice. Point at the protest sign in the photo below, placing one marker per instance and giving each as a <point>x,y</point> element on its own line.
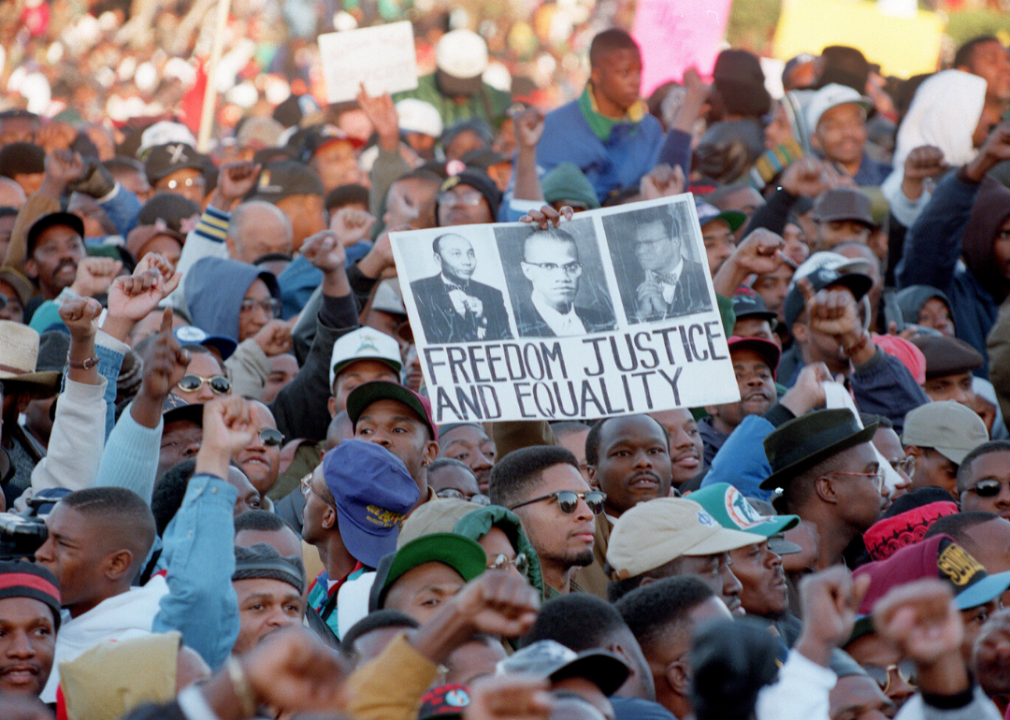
<point>613,313</point>
<point>381,57</point>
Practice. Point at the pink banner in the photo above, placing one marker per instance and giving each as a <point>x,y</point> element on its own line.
<point>676,35</point>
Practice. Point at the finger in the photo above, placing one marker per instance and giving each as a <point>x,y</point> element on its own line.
<point>806,290</point>
<point>166,321</point>
<point>172,282</point>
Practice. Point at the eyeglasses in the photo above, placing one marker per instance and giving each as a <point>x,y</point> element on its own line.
<point>188,182</point>
<point>572,269</point>
<point>471,199</point>
<point>218,383</point>
<point>879,475</point>
<point>884,675</point>
<point>271,437</point>
<point>455,494</point>
<point>906,466</point>
<point>987,488</point>
<point>501,562</point>
<point>306,487</point>
<point>568,500</point>
<point>270,306</point>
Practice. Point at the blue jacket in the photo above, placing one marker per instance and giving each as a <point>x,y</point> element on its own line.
<point>629,153</point>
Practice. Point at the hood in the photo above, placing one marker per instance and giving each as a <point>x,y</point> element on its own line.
<point>990,211</point>
<point>944,113</point>
<point>214,288</point>
<point>478,523</point>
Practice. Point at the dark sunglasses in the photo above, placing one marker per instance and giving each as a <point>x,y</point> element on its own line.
<point>271,437</point>
<point>218,383</point>
<point>568,500</point>
<point>987,488</point>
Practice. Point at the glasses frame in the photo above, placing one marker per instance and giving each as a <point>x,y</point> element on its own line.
<point>449,493</point>
<point>988,483</point>
<point>905,670</point>
<point>209,380</point>
<point>879,475</point>
<point>269,305</point>
<point>276,441</point>
<point>306,487</point>
<point>595,505</point>
<point>501,562</point>
<point>572,269</point>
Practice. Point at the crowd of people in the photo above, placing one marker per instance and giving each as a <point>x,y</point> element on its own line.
<point>227,496</point>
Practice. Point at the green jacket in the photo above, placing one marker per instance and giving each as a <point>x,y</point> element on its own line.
<point>489,104</point>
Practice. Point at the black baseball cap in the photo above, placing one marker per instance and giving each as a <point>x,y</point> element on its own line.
<point>821,278</point>
<point>52,220</point>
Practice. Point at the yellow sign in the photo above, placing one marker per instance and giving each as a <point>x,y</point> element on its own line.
<point>903,46</point>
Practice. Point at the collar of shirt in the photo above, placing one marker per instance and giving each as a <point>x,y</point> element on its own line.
<point>563,324</point>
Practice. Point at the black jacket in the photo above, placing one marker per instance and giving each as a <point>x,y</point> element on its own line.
<point>442,324</point>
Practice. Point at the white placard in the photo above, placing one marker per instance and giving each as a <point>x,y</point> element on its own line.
<point>382,57</point>
<point>612,314</point>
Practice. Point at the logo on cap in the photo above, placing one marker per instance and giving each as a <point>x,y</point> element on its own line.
<point>958,566</point>
<point>177,154</point>
<point>740,511</point>
<point>367,343</point>
<point>457,698</point>
<point>382,517</point>
<point>705,519</point>
<point>190,333</point>
<point>264,183</point>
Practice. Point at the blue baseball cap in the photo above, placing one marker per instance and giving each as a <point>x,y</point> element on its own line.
<point>372,492</point>
<point>192,335</point>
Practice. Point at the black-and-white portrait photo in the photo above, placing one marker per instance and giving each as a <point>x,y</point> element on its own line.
<point>658,273</point>
<point>556,280</point>
<point>453,307</point>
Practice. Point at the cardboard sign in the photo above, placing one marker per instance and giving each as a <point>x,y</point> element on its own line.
<point>613,313</point>
<point>382,57</point>
<point>676,35</point>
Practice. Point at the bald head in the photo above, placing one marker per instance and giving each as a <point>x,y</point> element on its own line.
<point>11,193</point>
<point>256,229</point>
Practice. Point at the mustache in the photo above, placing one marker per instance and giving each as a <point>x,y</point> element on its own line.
<point>64,263</point>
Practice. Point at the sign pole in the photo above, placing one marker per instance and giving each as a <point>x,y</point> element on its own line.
<point>210,91</point>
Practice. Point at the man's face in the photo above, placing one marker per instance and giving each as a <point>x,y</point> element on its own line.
<point>560,539</point>
<point>6,228</point>
<point>1001,249</point>
<point>257,310</point>
<point>757,388</point>
<point>456,256</point>
<point>470,445</point>
<point>719,243</point>
<point>871,651</point>
<point>618,78</point>
<point>755,328</point>
<point>203,365</point>
<point>18,129</point>
<point>358,373</point>
<point>263,233</point>
<point>955,387</point>
<point>654,249</point>
<point>887,443</point>
<point>307,215</point>
<point>462,143</point>
<point>283,369</point>
<point>633,464</point>
<point>553,269</point>
<point>135,182</point>
<point>187,182</point>
<point>991,656</point>
<point>13,310</point>
<point>265,606</point>
<point>453,477</point>
<point>259,461</point>
<point>861,499</point>
<point>774,287</point>
<point>248,497</point>
<point>463,205</point>
<point>180,440</point>
<point>759,570</point>
<point>422,590</point>
<point>933,470</point>
<point>74,552</point>
<point>57,252</point>
<point>400,430</point>
<point>988,470</point>
<point>27,645</point>
<point>858,697</point>
<point>991,544</point>
<point>935,314</point>
<point>841,133</point>
<point>686,445</point>
<point>834,232</point>
<point>989,61</point>
<point>337,165</point>
<point>715,571</point>
<point>746,200</point>
<point>318,513</point>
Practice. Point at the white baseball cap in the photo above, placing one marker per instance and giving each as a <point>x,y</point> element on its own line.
<point>419,116</point>
<point>831,96</point>
<point>364,344</point>
<point>462,54</point>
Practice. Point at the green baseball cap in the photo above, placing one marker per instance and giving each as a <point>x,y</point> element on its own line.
<point>462,554</point>
<point>732,510</point>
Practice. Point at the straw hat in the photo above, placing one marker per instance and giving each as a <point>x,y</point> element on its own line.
<point>19,351</point>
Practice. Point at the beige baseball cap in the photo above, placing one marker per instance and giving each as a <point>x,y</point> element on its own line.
<point>654,533</point>
<point>948,427</point>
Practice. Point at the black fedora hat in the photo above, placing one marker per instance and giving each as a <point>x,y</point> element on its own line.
<point>810,439</point>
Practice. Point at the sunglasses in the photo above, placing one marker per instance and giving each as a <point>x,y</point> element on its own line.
<point>883,676</point>
<point>218,383</point>
<point>271,437</point>
<point>454,494</point>
<point>501,562</point>
<point>568,500</point>
<point>987,488</point>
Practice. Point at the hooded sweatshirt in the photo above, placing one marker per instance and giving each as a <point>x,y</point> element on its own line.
<point>214,289</point>
<point>991,209</point>
<point>478,523</point>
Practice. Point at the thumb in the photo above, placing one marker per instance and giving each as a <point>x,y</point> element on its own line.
<point>166,321</point>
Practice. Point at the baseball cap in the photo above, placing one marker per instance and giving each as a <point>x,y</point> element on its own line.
<point>831,96</point>
<point>364,344</point>
<point>192,335</point>
<point>460,553</point>
<point>175,408</point>
<point>388,297</point>
<point>948,427</point>
<point>366,394</point>
<point>655,532</point>
<point>444,701</point>
<point>550,659</point>
<point>163,160</point>
<point>708,213</point>
<point>317,137</point>
<point>748,304</point>
<point>52,220</point>
<point>935,557</point>
<point>284,179</point>
<point>947,356</point>
<point>844,203</point>
<point>372,491</point>
<point>821,278</point>
<point>419,116</point>
<point>732,510</point>
<point>461,54</point>
<point>768,350</point>
<point>164,133</point>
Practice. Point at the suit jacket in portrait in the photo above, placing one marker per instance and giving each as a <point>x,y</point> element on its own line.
<point>689,296</point>
<point>441,322</point>
<point>529,323</point>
